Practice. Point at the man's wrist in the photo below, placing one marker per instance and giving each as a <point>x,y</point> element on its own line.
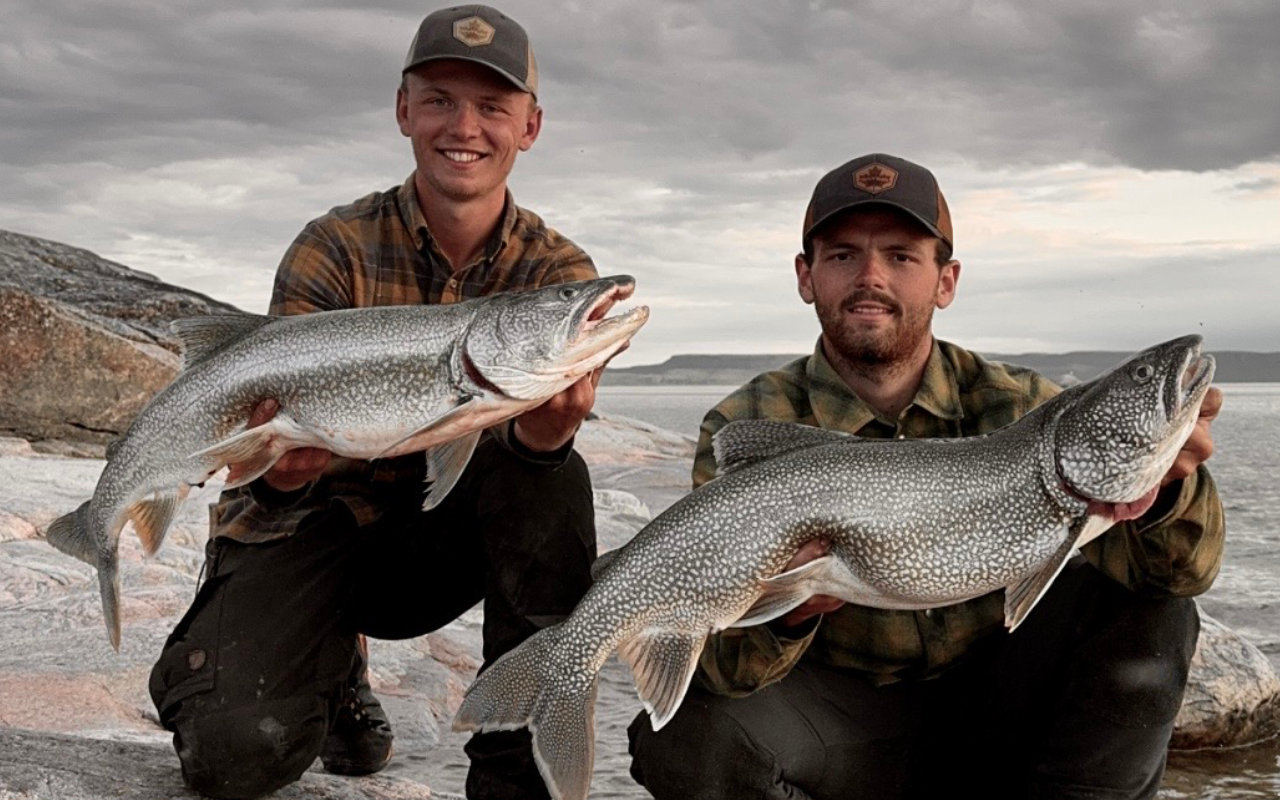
<point>519,447</point>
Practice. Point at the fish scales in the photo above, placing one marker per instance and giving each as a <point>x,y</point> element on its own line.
<point>912,524</point>
<point>362,383</point>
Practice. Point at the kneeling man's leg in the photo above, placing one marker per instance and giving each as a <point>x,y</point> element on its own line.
<point>818,733</point>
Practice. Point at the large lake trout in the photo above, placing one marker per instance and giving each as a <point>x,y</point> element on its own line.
<point>912,524</point>
<point>363,383</point>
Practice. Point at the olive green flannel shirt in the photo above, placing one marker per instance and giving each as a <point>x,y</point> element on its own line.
<point>378,251</point>
<point>1174,549</point>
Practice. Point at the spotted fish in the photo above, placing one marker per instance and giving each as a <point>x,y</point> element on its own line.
<point>912,524</point>
<point>363,383</point>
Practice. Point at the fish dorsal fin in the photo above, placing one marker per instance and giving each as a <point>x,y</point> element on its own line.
<point>1020,598</point>
<point>744,442</point>
<point>662,663</point>
<point>602,562</point>
<point>445,464</point>
<point>204,336</point>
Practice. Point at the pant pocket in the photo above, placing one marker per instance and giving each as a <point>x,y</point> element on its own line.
<point>189,661</point>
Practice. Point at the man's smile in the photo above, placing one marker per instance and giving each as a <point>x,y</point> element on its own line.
<point>461,156</point>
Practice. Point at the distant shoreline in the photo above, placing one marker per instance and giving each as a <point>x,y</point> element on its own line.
<point>1233,366</point>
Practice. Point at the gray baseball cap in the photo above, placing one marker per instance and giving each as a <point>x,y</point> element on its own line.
<point>476,33</point>
<point>881,179</point>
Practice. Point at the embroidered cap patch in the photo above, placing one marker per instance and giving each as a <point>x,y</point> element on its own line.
<point>473,31</point>
<point>875,178</point>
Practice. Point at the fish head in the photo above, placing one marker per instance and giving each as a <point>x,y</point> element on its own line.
<point>531,345</point>
<point>1119,434</point>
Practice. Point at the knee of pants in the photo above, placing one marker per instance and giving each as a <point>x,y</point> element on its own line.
<point>702,753</point>
<point>1138,680</point>
<point>252,751</point>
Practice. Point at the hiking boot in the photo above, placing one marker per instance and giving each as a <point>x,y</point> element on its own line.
<point>359,740</point>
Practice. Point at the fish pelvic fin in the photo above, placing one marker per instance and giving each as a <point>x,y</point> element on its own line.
<point>744,442</point>
<point>201,337</point>
<point>151,518</point>
<point>445,465</point>
<point>70,534</point>
<point>1023,596</point>
<point>663,663</point>
<point>526,687</point>
<point>785,591</point>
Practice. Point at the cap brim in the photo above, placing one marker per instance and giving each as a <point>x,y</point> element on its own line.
<point>519,84</point>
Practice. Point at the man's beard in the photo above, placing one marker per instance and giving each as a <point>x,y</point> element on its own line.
<point>874,348</point>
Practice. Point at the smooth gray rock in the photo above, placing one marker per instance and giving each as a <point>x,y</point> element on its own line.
<point>1233,696</point>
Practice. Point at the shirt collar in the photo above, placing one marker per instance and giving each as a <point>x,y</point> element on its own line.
<point>416,222</point>
<point>836,406</point>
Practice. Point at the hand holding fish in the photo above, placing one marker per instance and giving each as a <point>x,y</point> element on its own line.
<point>295,468</point>
<point>548,427</point>
<point>1199,445</point>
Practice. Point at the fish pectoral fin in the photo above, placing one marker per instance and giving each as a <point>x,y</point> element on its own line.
<point>1020,598</point>
<point>151,518</point>
<point>744,442</point>
<point>662,663</point>
<point>204,336</point>
<point>253,451</point>
<point>786,591</point>
<point>402,445</point>
<point>444,465</point>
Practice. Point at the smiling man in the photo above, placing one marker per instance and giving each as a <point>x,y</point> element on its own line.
<point>269,668</point>
<point>835,701</point>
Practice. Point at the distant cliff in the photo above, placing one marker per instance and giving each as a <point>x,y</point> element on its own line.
<point>1234,366</point>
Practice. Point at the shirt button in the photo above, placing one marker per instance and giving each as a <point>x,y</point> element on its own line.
<point>928,612</point>
<point>902,436</point>
<point>196,659</point>
<point>453,283</point>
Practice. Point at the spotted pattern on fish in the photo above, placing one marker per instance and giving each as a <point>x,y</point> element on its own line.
<point>912,524</point>
<point>363,383</point>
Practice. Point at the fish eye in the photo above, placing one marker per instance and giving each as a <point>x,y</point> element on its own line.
<point>1142,372</point>
<point>568,293</point>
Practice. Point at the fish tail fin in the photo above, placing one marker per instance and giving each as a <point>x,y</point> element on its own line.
<point>70,534</point>
<point>109,588</point>
<point>527,688</point>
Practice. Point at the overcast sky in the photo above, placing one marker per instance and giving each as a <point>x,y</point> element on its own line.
<point>1113,167</point>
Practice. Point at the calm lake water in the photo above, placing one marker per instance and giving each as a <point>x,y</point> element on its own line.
<point>1246,595</point>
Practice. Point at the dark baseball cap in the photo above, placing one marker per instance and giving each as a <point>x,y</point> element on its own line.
<point>879,179</point>
<point>476,33</point>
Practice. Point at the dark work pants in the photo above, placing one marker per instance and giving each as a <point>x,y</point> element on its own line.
<point>1079,702</point>
<point>250,678</point>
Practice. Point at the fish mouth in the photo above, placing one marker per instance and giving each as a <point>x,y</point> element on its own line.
<point>1193,379</point>
<point>600,336</point>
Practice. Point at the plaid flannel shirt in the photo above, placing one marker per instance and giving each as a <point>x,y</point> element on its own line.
<point>378,251</point>
<point>1175,549</point>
